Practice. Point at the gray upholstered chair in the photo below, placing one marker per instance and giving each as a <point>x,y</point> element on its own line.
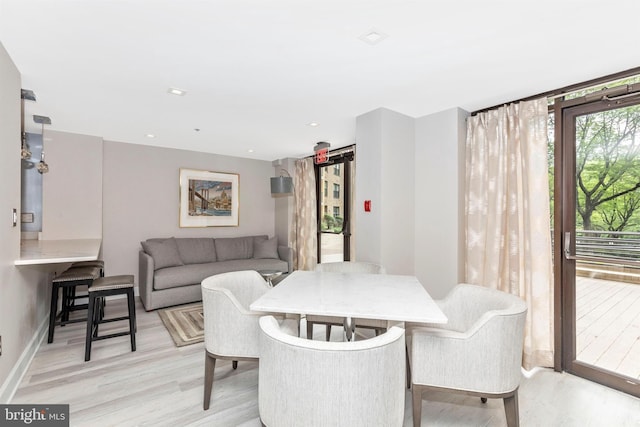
<point>351,384</point>
<point>478,352</point>
<point>231,330</point>
<point>346,267</point>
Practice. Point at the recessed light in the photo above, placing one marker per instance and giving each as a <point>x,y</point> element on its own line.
<point>250,150</point>
<point>176,91</point>
<point>373,36</point>
<point>150,135</point>
<point>313,124</point>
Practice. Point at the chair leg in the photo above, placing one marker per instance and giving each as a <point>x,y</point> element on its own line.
<point>408,368</point>
<point>416,395</point>
<point>132,318</point>
<point>209,366</point>
<point>309,330</point>
<point>234,364</point>
<point>90,322</point>
<point>52,313</point>
<point>511,410</point>
<point>327,333</point>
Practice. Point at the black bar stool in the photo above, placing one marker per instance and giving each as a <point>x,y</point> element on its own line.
<point>68,281</point>
<point>101,288</point>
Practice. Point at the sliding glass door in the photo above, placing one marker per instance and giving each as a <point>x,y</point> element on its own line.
<point>599,233</point>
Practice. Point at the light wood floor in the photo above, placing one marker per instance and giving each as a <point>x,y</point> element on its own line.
<point>161,385</point>
<point>608,325</point>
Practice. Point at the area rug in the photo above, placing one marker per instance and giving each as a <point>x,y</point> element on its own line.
<point>185,323</point>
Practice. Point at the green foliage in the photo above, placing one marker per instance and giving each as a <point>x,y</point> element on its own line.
<point>608,170</point>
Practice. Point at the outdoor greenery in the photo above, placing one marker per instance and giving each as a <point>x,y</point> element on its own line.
<point>607,169</point>
<point>331,223</point>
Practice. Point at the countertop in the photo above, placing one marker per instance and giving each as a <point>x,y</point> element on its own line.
<point>37,252</point>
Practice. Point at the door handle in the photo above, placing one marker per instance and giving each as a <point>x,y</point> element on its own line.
<point>567,246</point>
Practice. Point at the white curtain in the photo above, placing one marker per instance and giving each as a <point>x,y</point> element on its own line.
<point>507,215</point>
<point>304,237</point>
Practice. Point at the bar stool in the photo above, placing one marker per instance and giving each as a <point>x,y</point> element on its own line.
<point>101,288</point>
<point>94,263</point>
<point>68,281</point>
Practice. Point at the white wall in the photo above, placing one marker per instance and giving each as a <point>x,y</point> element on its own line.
<point>141,198</point>
<point>72,189</point>
<point>23,291</point>
<point>385,175</point>
<point>439,200</point>
<point>413,172</point>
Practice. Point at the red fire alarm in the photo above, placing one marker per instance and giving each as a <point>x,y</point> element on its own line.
<point>367,205</point>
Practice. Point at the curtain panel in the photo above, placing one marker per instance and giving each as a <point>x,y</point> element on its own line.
<point>508,231</point>
<point>304,238</point>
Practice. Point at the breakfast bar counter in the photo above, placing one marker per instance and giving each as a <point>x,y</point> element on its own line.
<point>38,252</point>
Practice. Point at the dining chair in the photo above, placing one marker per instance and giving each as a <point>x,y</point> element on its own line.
<point>231,330</point>
<point>478,352</point>
<point>358,383</point>
<point>346,267</point>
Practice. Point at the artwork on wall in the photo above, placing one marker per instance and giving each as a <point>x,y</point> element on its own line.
<point>208,199</point>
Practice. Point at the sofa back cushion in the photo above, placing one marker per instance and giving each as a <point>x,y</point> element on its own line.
<point>234,248</point>
<point>163,251</point>
<point>196,250</point>
<point>266,248</point>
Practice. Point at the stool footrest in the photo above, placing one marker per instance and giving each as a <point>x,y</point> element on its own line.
<point>114,335</point>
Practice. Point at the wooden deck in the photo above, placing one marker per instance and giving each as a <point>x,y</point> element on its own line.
<point>608,325</point>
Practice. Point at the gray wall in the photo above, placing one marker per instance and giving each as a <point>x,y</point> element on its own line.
<point>23,291</point>
<point>141,198</point>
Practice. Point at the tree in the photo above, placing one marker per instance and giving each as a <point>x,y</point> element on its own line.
<point>607,168</point>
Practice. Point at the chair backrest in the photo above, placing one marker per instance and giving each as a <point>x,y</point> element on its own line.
<point>350,267</point>
<point>493,323</point>
<point>230,328</point>
<point>313,383</point>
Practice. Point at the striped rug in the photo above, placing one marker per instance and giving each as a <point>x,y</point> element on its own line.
<point>185,323</point>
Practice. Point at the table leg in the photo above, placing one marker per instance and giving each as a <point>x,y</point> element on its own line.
<point>349,328</point>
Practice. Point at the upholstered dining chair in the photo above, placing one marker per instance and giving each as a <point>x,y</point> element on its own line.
<point>365,386</point>
<point>478,352</point>
<point>231,330</point>
<point>346,267</point>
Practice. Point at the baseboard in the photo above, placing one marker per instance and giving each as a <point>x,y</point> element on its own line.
<point>8,389</point>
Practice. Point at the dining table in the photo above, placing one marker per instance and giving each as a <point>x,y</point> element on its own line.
<point>391,297</point>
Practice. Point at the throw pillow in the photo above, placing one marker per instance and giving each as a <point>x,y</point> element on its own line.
<point>267,248</point>
<point>164,254</point>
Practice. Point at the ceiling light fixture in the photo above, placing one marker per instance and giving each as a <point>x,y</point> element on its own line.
<point>150,135</point>
<point>176,91</point>
<point>373,36</point>
<point>313,124</point>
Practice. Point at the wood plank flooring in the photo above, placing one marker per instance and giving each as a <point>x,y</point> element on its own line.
<point>608,325</point>
<point>162,385</point>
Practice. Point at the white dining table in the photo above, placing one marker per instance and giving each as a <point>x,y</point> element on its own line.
<point>352,295</point>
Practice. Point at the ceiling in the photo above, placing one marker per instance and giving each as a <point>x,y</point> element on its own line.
<point>257,73</point>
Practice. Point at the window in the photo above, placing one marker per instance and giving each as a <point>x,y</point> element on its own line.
<point>336,211</point>
<point>326,210</point>
<point>326,188</point>
<point>336,169</point>
<point>336,191</point>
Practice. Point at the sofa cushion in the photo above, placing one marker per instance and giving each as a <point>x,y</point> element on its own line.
<point>191,274</point>
<point>234,248</point>
<point>197,250</point>
<point>266,248</point>
<point>164,253</point>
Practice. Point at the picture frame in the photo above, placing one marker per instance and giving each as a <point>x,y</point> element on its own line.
<point>209,199</point>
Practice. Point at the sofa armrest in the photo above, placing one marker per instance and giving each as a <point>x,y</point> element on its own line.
<point>145,278</point>
<point>286,254</point>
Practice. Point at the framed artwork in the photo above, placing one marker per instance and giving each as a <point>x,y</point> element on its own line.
<point>208,199</point>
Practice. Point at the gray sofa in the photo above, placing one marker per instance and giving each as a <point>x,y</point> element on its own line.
<point>171,269</point>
